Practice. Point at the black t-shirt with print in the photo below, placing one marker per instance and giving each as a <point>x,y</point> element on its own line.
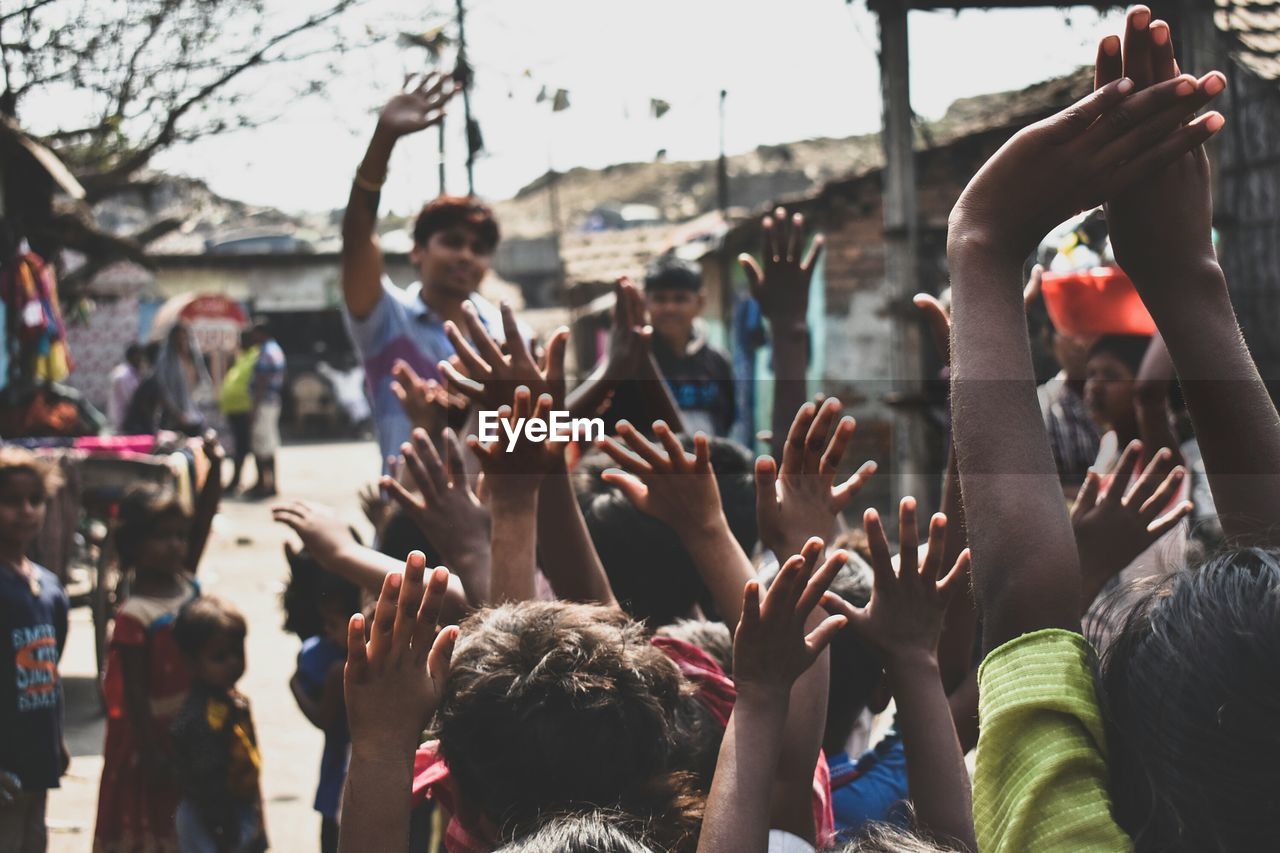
<point>33,632</point>
<point>701,383</point>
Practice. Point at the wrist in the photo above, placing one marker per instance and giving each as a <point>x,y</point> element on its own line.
<point>970,241</point>
<point>763,695</point>
<point>902,659</point>
<point>385,753</point>
<point>694,531</point>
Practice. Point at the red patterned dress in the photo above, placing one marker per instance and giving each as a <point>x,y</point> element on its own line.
<point>135,813</point>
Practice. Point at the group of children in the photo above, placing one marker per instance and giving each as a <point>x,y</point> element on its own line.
<point>671,645</point>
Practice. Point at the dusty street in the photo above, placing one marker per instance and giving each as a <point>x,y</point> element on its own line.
<point>246,565</point>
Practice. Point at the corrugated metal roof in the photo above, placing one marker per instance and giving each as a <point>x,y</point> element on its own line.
<point>1255,27</point>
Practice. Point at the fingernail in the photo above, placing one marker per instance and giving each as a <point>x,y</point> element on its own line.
<point>1186,87</point>
<point>394,580</point>
<point>1160,33</point>
<point>1213,83</point>
<point>1214,122</point>
<point>1111,45</point>
<point>1124,85</point>
<point>1141,18</point>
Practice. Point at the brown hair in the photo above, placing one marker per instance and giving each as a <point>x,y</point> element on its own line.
<point>143,507</point>
<point>449,211</point>
<point>19,460</point>
<point>204,619</point>
<point>554,707</point>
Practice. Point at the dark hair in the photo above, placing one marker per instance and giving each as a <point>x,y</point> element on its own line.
<point>856,666</point>
<point>401,535</point>
<point>134,350</point>
<point>711,637</point>
<point>311,588</point>
<point>1129,350</point>
<point>553,707</point>
<point>597,831</point>
<point>649,569</point>
<point>205,618</point>
<point>143,507</point>
<point>1189,689</point>
<point>450,211</point>
<point>667,272</point>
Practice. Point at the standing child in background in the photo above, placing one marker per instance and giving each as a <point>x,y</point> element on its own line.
<point>214,743</point>
<point>318,605</point>
<point>33,631</point>
<point>147,677</point>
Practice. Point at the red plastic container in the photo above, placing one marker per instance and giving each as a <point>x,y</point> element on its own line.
<point>1100,301</point>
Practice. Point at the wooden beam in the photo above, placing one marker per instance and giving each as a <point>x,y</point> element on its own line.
<point>902,243</point>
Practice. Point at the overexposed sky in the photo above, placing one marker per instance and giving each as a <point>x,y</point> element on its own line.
<point>793,69</point>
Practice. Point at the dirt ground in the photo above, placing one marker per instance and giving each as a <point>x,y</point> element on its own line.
<point>245,564</point>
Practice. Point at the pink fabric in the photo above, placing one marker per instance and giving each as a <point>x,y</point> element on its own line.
<point>715,689</point>
<point>116,443</point>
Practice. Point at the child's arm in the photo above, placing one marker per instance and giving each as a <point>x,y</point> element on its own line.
<point>568,556</point>
<point>903,621</point>
<point>393,687</point>
<point>775,644</point>
<point>513,476</point>
<point>1026,575</point>
<point>802,499</point>
<point>207,503</point>
<point>324,536</point>
<point>781,287</point>
<point>680,489</point>
<point>321,712</point>
<point>1161,232</point>
<point>446,510</point>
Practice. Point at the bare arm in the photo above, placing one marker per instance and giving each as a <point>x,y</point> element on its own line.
<point>207,503</point>
<point>568,557</point>
<point>419,106</point>
<point>777,642</point>
<point>1162,234</point>
<point>780,283</point>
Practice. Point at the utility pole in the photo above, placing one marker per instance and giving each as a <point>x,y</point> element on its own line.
<point>464,70</point>
<point>722,167</point>
<point>440,143</point>
<point>902,244</point>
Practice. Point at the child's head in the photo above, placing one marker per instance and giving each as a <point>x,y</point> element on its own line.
<point>649,569</point>
<point>711,637</point>
<point>553,707</point>
<point>153,530</point>
<point>210,633</point>
<point>1109,376</point>
<point>673,295</point>
<point>856,668</point>
<point>26,484</point>
<point>1190,690</point>
<point>317,602</point>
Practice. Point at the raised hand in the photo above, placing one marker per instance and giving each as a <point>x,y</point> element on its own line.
<point>419,105</point>
<point>904,617</point>
<point>394,682</point>
<point>781,285</point>
<point>665,482</point>
<point>445,508</point>
<point>630,335</point>
<point>1112,529</point>
<point>518,466</point>
<point>771,648</point>
<point>322,532</point>
<point>426,403</point>
<point>804,500</point>
<point>488,377</point>
<point>1161,229</point>
<point>1079,158</point>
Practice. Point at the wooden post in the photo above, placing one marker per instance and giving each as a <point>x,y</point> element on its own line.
<point>901,245</point>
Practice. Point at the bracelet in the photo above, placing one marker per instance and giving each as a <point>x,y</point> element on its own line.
<point>365,184</point>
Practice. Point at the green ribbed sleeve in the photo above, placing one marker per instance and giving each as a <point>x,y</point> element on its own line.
<point>1040,783</point>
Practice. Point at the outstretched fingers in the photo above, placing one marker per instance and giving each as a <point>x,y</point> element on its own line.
<point>427,619</point>
<point>384,621</point>
<point>357,653</point>
<point>407,604</point>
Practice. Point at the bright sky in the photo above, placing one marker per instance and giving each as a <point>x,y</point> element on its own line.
<point>793,70</point>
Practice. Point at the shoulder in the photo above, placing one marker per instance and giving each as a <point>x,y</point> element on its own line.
<point>50,581</point>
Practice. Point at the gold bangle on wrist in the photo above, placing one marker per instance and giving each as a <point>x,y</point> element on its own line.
<point>369,186</point>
